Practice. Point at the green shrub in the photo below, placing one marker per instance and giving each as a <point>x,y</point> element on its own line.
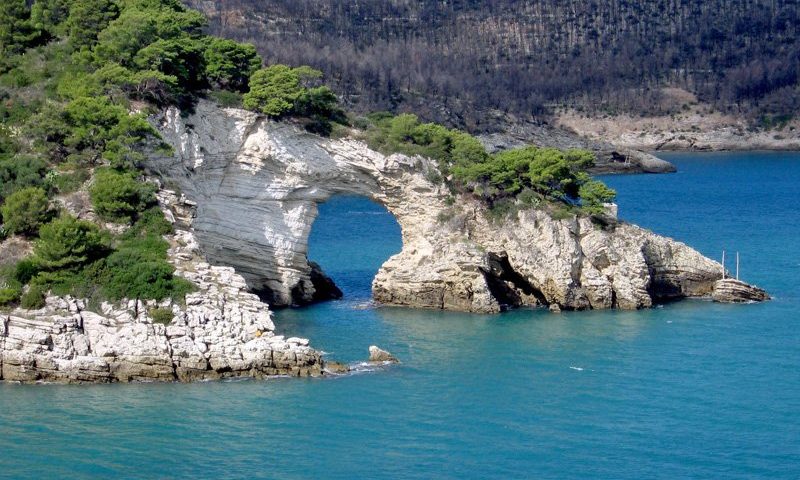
<point>276,90</point>
<point>34,298</point>
<point>150,222</point>
<point>118,196</point>
<point>68,243</point>
<point>25,270</point>
<point>10,288</point>
<point>138,269</point>
<point>230,64</point>
<point>9,296</point>
<point>25,210</point>
<point>594,194</point>
<point>20,171</point>
<point>163,316</point>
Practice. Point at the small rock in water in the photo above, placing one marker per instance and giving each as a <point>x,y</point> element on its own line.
<point>554,308</point>
<point>376,355</point>
<point>336,367</point>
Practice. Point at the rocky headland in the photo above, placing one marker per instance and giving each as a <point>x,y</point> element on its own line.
<point>257,184</point>
<point>242,192</point>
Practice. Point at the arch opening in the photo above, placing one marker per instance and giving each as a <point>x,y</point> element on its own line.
<point>350,239</point>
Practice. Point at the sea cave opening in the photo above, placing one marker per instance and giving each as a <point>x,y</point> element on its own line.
<point>350,239</point>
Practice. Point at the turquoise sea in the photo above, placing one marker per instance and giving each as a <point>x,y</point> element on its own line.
<point>692,389</point>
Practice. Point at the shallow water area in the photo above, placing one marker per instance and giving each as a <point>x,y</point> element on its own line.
<point>688,389</point>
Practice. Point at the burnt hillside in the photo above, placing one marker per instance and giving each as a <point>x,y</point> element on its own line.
<point>457,60</point>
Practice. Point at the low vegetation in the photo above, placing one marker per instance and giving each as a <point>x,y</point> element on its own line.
<point>523,177</point>
<point>77,79</point>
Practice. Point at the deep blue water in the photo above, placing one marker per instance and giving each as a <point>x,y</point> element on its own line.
<point>693,389</point>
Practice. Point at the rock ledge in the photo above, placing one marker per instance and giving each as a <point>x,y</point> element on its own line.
<point>731,290</point>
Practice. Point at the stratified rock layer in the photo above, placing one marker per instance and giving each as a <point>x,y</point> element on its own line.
<point>731,290</point>
<point>257,184</point>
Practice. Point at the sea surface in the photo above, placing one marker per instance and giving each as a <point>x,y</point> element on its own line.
<point>691,389</point>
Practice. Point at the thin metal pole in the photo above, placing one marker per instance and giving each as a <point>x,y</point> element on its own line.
<point>723,264</point>
<point>737,265</point>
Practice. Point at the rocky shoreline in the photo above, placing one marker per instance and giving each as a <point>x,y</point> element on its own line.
<point>690,131</point>
<point>257,184</point>
<point>222,331</point>
<point>249,190</point>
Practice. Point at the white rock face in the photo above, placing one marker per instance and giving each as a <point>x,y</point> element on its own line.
<point>222,331</point>
<point>257,184</point>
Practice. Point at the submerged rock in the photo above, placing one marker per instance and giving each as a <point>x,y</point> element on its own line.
<point>336,368</point>
<point>731,290</point>
<point>376,355</point>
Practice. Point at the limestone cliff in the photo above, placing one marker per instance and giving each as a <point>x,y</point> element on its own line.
<point>257,184</point>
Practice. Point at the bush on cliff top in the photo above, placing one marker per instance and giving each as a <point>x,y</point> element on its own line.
<point>524,176</point>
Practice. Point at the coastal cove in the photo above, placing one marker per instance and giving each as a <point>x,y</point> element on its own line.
<point>691,388</point>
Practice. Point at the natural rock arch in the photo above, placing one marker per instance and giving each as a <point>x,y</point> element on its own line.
<point>350,240</point>
<point>257,183</point>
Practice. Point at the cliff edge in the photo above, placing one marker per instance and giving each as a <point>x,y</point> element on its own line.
<point>257,184</point>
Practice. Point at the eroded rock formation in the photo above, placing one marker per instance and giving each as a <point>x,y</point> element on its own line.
<point>221,331</point>
<point>257,184</point>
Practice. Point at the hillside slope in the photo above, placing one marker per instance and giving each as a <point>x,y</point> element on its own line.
<point>468,63</point>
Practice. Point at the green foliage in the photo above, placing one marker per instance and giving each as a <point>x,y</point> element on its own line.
<point>87,18</point>
<point>275,90</point>
<point>67,243</point>
<point>179,58</point>
<point>150,222</point>
<point>9,295</point>
<point>25,270</point>
<point>119,196</point>
<point>140,25</point>
<point>66,181</point>
<point>163,316</point>
<point>508,180</point>
<point>548,172</point>
<point>49,16</point>
<point>227,99</point>
<point>281,91</point>
<point>10,287</point>
<point>24,211</point>
<point>91,121</point>
<point>33,299</point>
<point>138,268</point>
<point>594,194</point>
<point>20,171</point>
<point>405,134</point>
<point>230,64</point>
<point>16,31</point>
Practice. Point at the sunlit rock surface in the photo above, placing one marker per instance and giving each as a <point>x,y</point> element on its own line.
<point>257,184</point>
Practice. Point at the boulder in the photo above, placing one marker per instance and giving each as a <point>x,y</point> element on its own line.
<point>376,355</point>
